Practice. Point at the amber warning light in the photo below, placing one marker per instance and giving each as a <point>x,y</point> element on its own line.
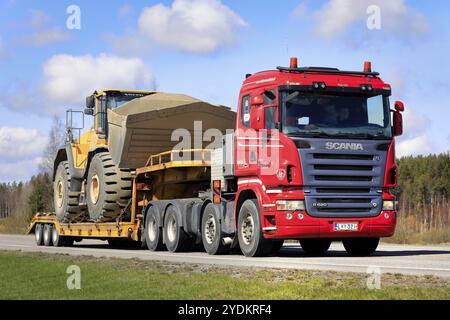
<point>294,63</point>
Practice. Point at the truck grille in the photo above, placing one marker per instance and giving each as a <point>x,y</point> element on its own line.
<point>340,183</point>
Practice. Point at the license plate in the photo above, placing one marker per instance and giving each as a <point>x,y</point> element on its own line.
<point>346,226</point>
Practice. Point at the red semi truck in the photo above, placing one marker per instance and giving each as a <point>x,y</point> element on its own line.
<point>312,158</point>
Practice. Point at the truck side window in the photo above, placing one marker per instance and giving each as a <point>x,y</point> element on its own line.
<point>269,116</point>
<point>245,111</point>
<point>269,97</point>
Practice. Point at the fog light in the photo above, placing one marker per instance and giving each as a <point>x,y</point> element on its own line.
<point>389,205</point>
<point>386,216</point>
<point>300,216</point>
<point>289,216</point>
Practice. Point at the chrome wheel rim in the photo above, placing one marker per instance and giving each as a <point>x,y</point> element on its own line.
<point>248,229</point>
<point>210,229</point>
<point>172,229</point>
<point>152,229</point>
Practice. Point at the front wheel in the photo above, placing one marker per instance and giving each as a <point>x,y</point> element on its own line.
<point>361,247</point>
<point>250,235</point>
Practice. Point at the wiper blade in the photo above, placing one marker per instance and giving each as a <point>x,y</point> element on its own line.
<point>310,134</point>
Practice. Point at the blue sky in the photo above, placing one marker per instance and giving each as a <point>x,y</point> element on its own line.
<point>204,48</point>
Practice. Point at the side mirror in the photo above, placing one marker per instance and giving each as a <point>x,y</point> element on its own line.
<point>90,102</point>
<point>399,106</point>
<point>257,118</point>
<point>398,123</point>
<point>89,112</point>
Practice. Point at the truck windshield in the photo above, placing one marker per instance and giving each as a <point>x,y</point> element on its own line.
<point>336,115</point>
<point>117,99</point>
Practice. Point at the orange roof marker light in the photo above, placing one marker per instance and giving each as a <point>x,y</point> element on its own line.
<point>367,66</point>
<point>294,63</point>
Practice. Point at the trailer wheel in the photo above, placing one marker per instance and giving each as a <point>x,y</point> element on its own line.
<point>152,232</point>
<point>47,235</point>
<point>175,238</point>
<point>66,201</point>
<point>361,246</point>
<point>277,245</point>
<point>57,240</point>
<point>212,235</point>
<point>108,188</point>
<point>38,234</point>
<point>315,247</point>
<point>251,238</point>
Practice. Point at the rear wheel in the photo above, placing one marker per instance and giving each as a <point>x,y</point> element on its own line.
<point>65,200</point>
<point>175,238</point>
<point>153,233</point>
<point>38,234</point>
<point>108,188</point>
<point>212,236</point>
<point>47,235</point>
<point>251,238</point>
<point>361,246</point>
<point>315,247</point>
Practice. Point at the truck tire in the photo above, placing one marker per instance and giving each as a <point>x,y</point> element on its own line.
<point>57,239</point>
<point>315,247</point>
<point>47,235</point>
<point>212,235</point>
<point>66,201</point>
<point>153,234</point>
<point>108,189</point>
<point>175,239</point>
<point>361,247</point>
<point>250,235</point>
<point>38,234</point>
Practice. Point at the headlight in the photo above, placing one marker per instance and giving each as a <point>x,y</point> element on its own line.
<point>389,205</point>
<point>290,205</point>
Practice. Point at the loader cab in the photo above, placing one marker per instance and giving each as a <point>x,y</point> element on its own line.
<point>98,104</point>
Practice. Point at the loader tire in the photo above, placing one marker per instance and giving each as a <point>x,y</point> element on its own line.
<point>108,188</point>
<point>65,201</point>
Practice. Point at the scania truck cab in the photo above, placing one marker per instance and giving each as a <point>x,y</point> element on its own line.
<point>329,141</point>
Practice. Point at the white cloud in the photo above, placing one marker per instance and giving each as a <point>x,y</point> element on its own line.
<point>70,79</point>
<point>415,139</point>
<point>19,170</point>
<point>397,19</point>
<point>46,36</point>
<point>42,34</point>
<point>415,146</point>
<point>21,143</point>
<point>195,26</point>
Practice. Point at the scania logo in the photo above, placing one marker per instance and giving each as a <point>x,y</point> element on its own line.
<point>343,146</point>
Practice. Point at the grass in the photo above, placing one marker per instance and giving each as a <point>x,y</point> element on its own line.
<point>43,276</point>
<point>408,231</point>
<point>14,224</point>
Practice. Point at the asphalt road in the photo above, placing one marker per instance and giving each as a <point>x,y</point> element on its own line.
<point>404,259</point>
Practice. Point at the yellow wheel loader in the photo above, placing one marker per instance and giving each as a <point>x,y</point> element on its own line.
<point>93,173</point>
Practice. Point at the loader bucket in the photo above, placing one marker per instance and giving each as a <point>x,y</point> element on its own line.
<point>144,126</point>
